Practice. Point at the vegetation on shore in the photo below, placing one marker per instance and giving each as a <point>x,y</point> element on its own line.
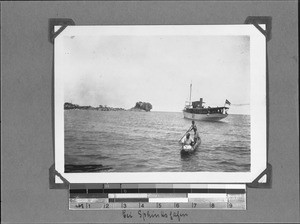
<point>139,106</point>
<point>142,106</point>
<point>70,106</point>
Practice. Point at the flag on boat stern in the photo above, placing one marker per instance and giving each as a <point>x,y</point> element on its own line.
<point>227,102</point>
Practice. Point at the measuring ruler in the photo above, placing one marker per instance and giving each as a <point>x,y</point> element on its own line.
<point>161,196</point>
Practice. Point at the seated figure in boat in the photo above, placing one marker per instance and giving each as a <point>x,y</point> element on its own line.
<point>187,140</point>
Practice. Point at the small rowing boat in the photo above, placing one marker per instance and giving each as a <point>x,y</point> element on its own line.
<point>189,148</point>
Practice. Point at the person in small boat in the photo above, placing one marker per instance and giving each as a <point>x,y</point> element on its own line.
<point>193,126</point>
<point>196,135</point>
<point>187,140</point>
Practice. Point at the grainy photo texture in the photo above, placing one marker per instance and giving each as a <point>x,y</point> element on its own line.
<point>155,99</point>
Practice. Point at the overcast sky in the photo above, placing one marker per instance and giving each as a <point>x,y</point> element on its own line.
<point>118,71</point>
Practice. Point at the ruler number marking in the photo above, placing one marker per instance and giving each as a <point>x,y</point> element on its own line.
<point>83,205</point>
<point>79,206</point>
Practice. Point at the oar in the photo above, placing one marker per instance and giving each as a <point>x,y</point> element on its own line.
<point>185,134</point>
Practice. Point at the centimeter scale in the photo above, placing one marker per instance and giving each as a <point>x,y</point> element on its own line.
<point>157,196</point>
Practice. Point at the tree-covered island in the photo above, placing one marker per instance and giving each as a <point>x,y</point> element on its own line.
<point>142,106</point>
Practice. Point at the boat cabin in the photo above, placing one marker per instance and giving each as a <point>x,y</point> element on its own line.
<point>198,104</point>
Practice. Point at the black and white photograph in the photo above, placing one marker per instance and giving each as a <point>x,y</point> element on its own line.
<point>149,111</point>
<point>159,99</point>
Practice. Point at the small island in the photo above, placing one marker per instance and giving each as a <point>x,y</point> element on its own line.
<point>142,106</point>
<point>139,106</point>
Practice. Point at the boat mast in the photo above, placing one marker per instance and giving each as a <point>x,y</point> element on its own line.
<point>190,93</point>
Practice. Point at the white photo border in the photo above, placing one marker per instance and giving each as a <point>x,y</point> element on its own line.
<point>258,113</point>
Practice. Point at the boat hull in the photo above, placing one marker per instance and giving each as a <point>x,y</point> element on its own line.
<point>189,149</point>
<point>204,117</point>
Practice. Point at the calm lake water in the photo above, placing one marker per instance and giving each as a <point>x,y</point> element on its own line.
<point>128,141</point>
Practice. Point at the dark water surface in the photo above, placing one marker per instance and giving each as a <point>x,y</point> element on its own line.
<point>128,141</point>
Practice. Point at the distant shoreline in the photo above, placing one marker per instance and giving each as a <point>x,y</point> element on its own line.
<point>70,106</point>
<point>139,107</point>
